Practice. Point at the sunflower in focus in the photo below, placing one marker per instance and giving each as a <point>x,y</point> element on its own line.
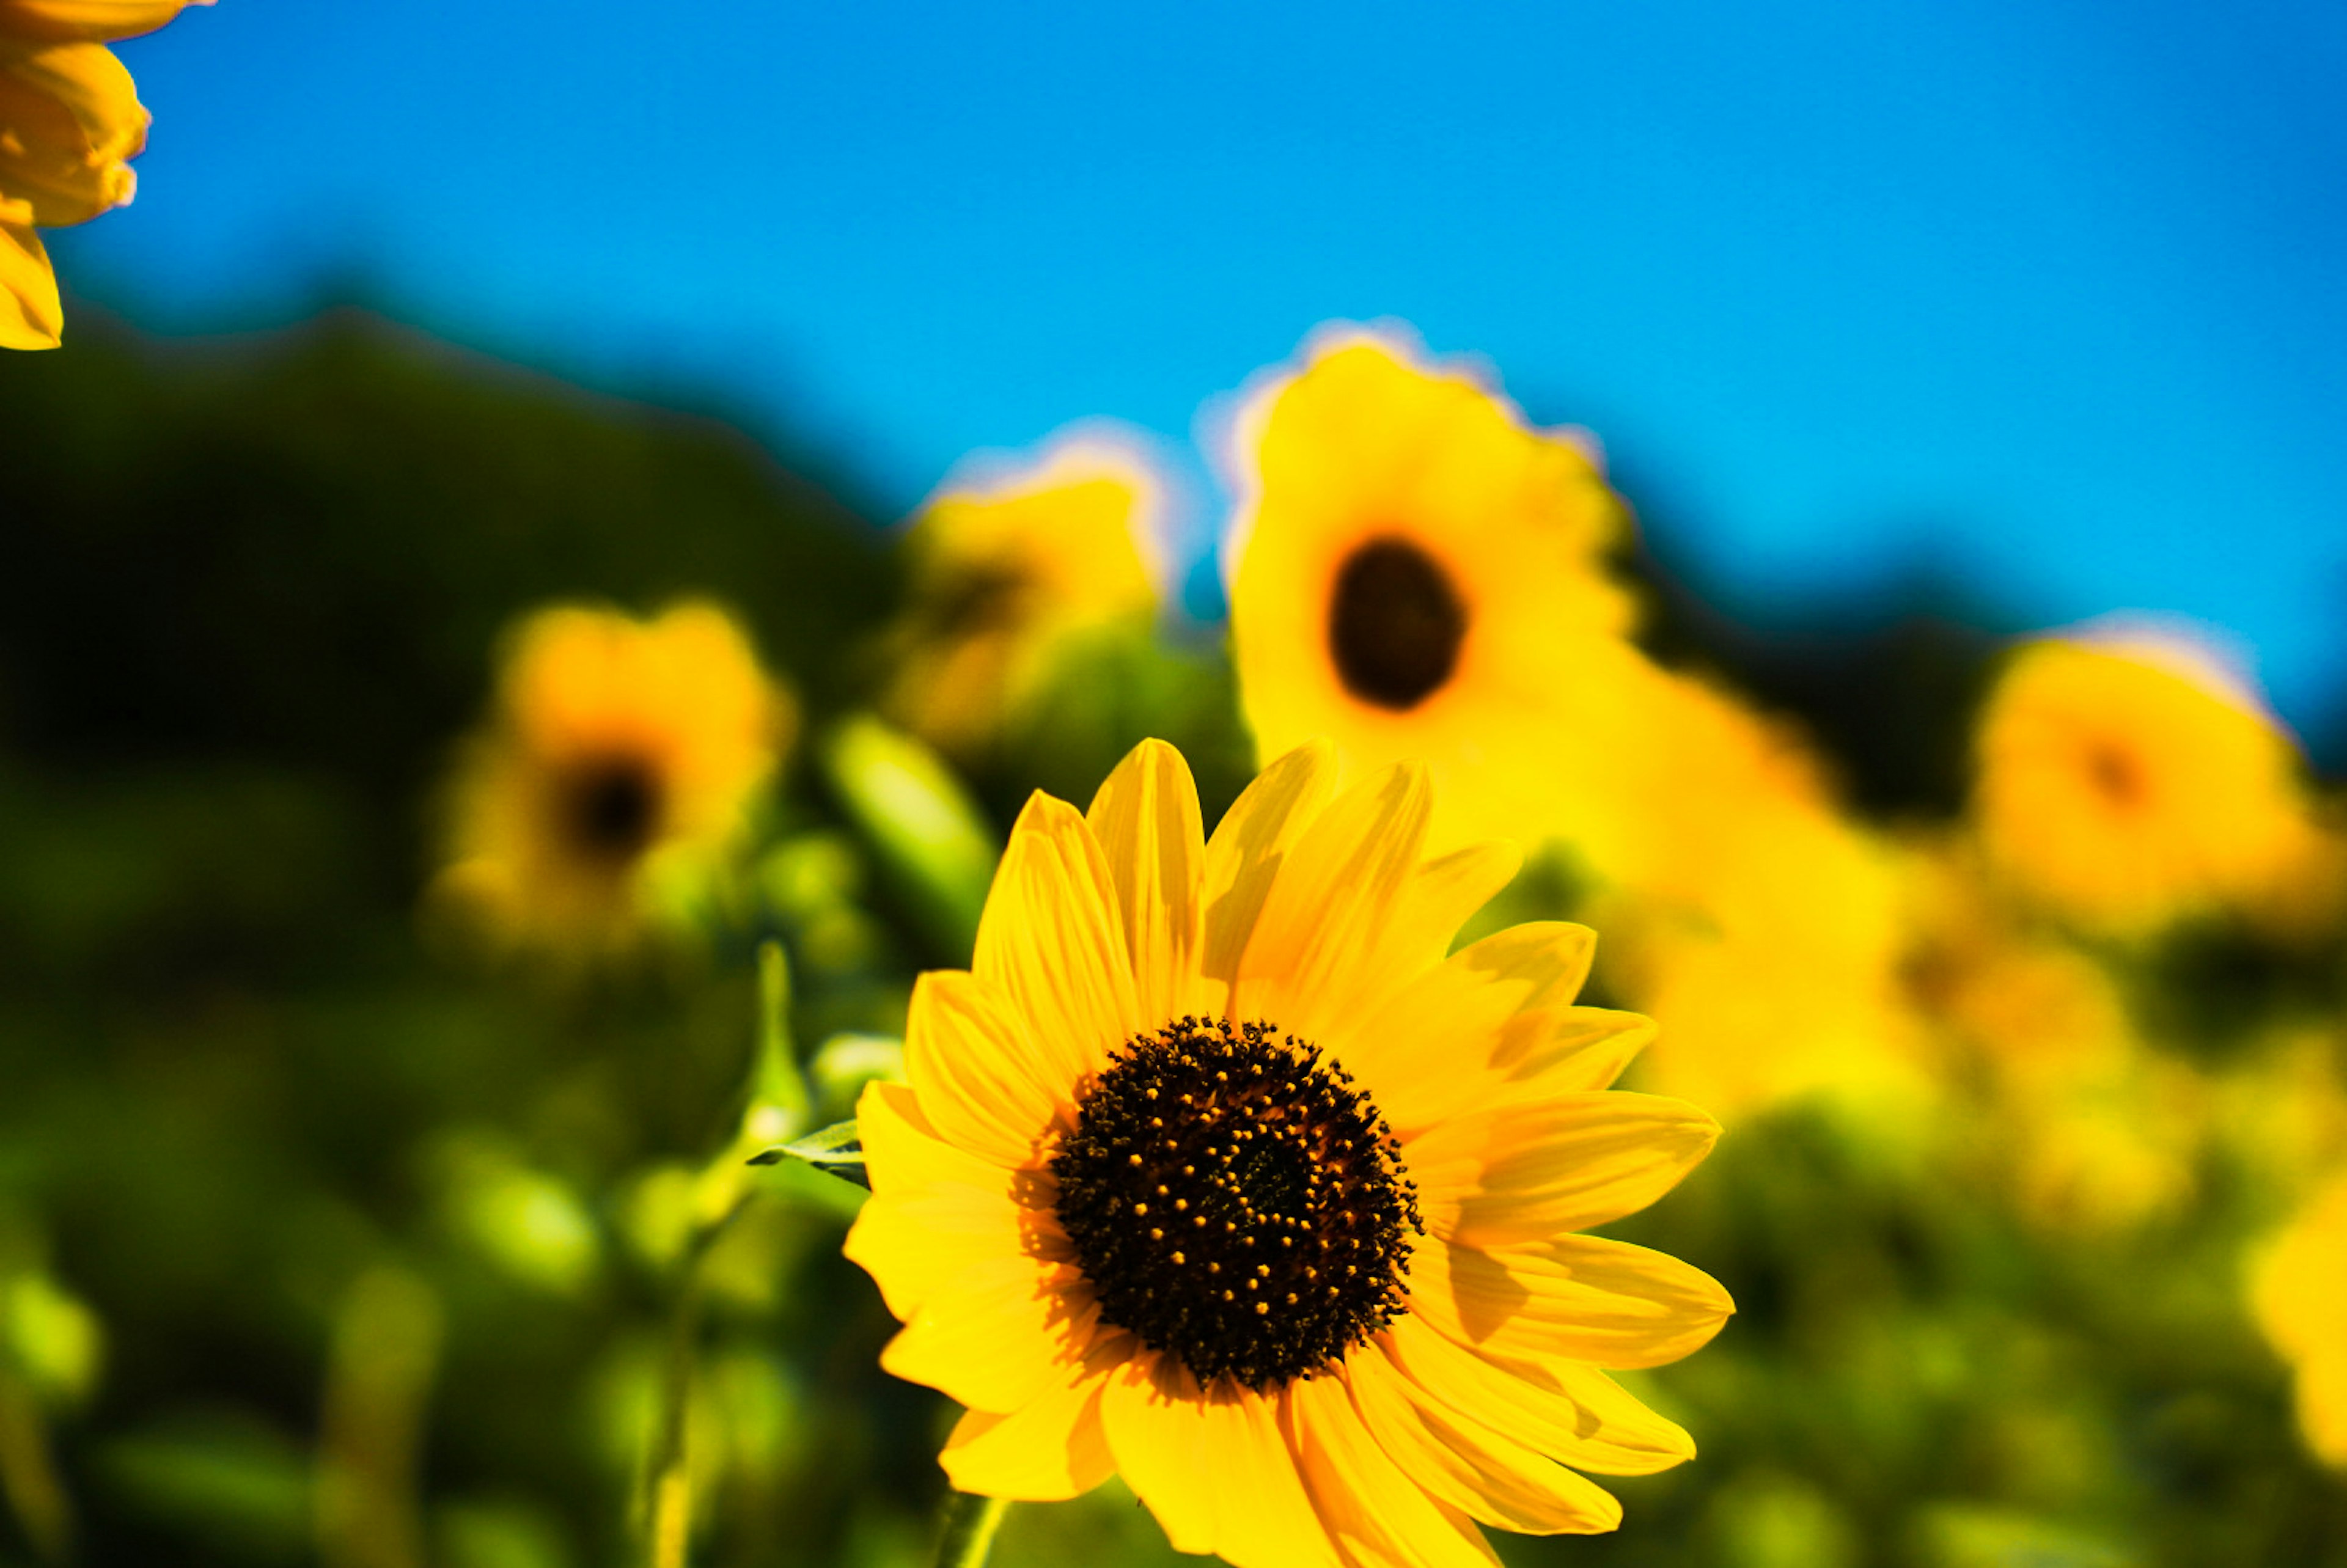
<point>621,750</point>
<point>1010,569</point>
<point>1216,1174</point>
<point>70,121</point>
<point>2296,1291</point>
<point>1415,571</point>
<point>2125,784</point>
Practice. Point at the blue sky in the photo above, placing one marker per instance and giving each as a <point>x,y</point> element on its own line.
<point>2047,294</point>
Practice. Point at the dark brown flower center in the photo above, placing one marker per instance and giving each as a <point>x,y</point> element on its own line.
<point>1395,624</point>
<point>2115,773</point>
<point>1235,1203</point>
<point>611,807</point>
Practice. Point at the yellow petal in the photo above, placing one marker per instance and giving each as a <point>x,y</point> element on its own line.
<point>1378,1514</point>
<point>902,1150</point>
<point>1450,1037</point>
<point>1053,1448</point>
<point>1576,1415</point>
<point>1441,895</point>
<point>914,1242</point>
<point>1526,1173</point>
<point>94,21</point>
<point>72,116</point>
<point>1212,1467</point>
<point>1051,942</point>
<point>937,1212</point>
<point>1580,1298</point>
<point>1250,846</point>
<point>1146,819</point>
<point>1467,1464</point>
<point>30,315</point>
<point>1434,903</point>
<point>982,1079</point>
<point>1305,967</point>
<point>994,1336</point>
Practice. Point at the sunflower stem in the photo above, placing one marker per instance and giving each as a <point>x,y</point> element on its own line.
<point>971,1524</point>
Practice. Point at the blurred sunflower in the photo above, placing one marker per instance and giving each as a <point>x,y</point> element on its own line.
<point>1009,570</point>
<point>69,121</point>
<point>621,749</point>
<point>2093,1128</point>
<point>1216,1174</point>
<point>1750,912</point>
<point>1416,572</point>
<point>2296,1290</point>
<point>2125,784</point>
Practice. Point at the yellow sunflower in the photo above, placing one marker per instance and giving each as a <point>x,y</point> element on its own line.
<point>1415,571</point>
<point>2296,1290</point>
<point>1216,1174</point>
<point>621,748</point>
<point>1011,566</point>
<point>69,121</point>
<point>2124,783</point>
<point>1418,573</point>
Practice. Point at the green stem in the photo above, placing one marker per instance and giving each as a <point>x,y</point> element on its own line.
<point>971,1524</point>
<point>668,1501</point>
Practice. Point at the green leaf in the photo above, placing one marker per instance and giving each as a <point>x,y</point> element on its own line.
<point>837,1149</point>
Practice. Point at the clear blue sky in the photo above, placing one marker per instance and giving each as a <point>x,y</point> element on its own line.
<point>2049,292</point>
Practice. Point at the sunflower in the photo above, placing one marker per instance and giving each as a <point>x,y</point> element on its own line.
<point>1416,571</point>
<point>1217,1173</point>
<point>621,748</point>
<point>2296,1289</point>
<point>1010,568</point>
<point>70,120</point>
<point>2123,784</point>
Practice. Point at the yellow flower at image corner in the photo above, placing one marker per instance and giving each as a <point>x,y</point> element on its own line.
<point>1415,571</point>
<point>1010,563</point>
<point>1216,1174</point>
<point>2125,780</point>
<point>618,749</point>
<point>2297,1286</point>
<point>69,121</point>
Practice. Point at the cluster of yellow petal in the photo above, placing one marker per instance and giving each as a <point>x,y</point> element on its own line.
<point>620,750</point>
<point>1010,568</point>
<point>1472,551</point>
<point>1320,911</point>
<point>2298,1287</point>
<point>2126,783</point>
<point>70,121</point>
<point>2093,1129</point>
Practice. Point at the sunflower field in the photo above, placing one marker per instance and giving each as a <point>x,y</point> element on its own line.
<point>548,1022</point>
<point>573,991</point>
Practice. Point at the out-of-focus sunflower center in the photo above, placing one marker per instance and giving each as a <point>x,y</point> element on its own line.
<point>1236,1203</point>
<point>2116,775</point>
<point>611,807</point>
<point>1395,624</point>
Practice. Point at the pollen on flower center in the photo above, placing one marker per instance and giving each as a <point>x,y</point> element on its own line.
<point>1395,624</point>
<point>612,806</point>
<point>1235,1202</point>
